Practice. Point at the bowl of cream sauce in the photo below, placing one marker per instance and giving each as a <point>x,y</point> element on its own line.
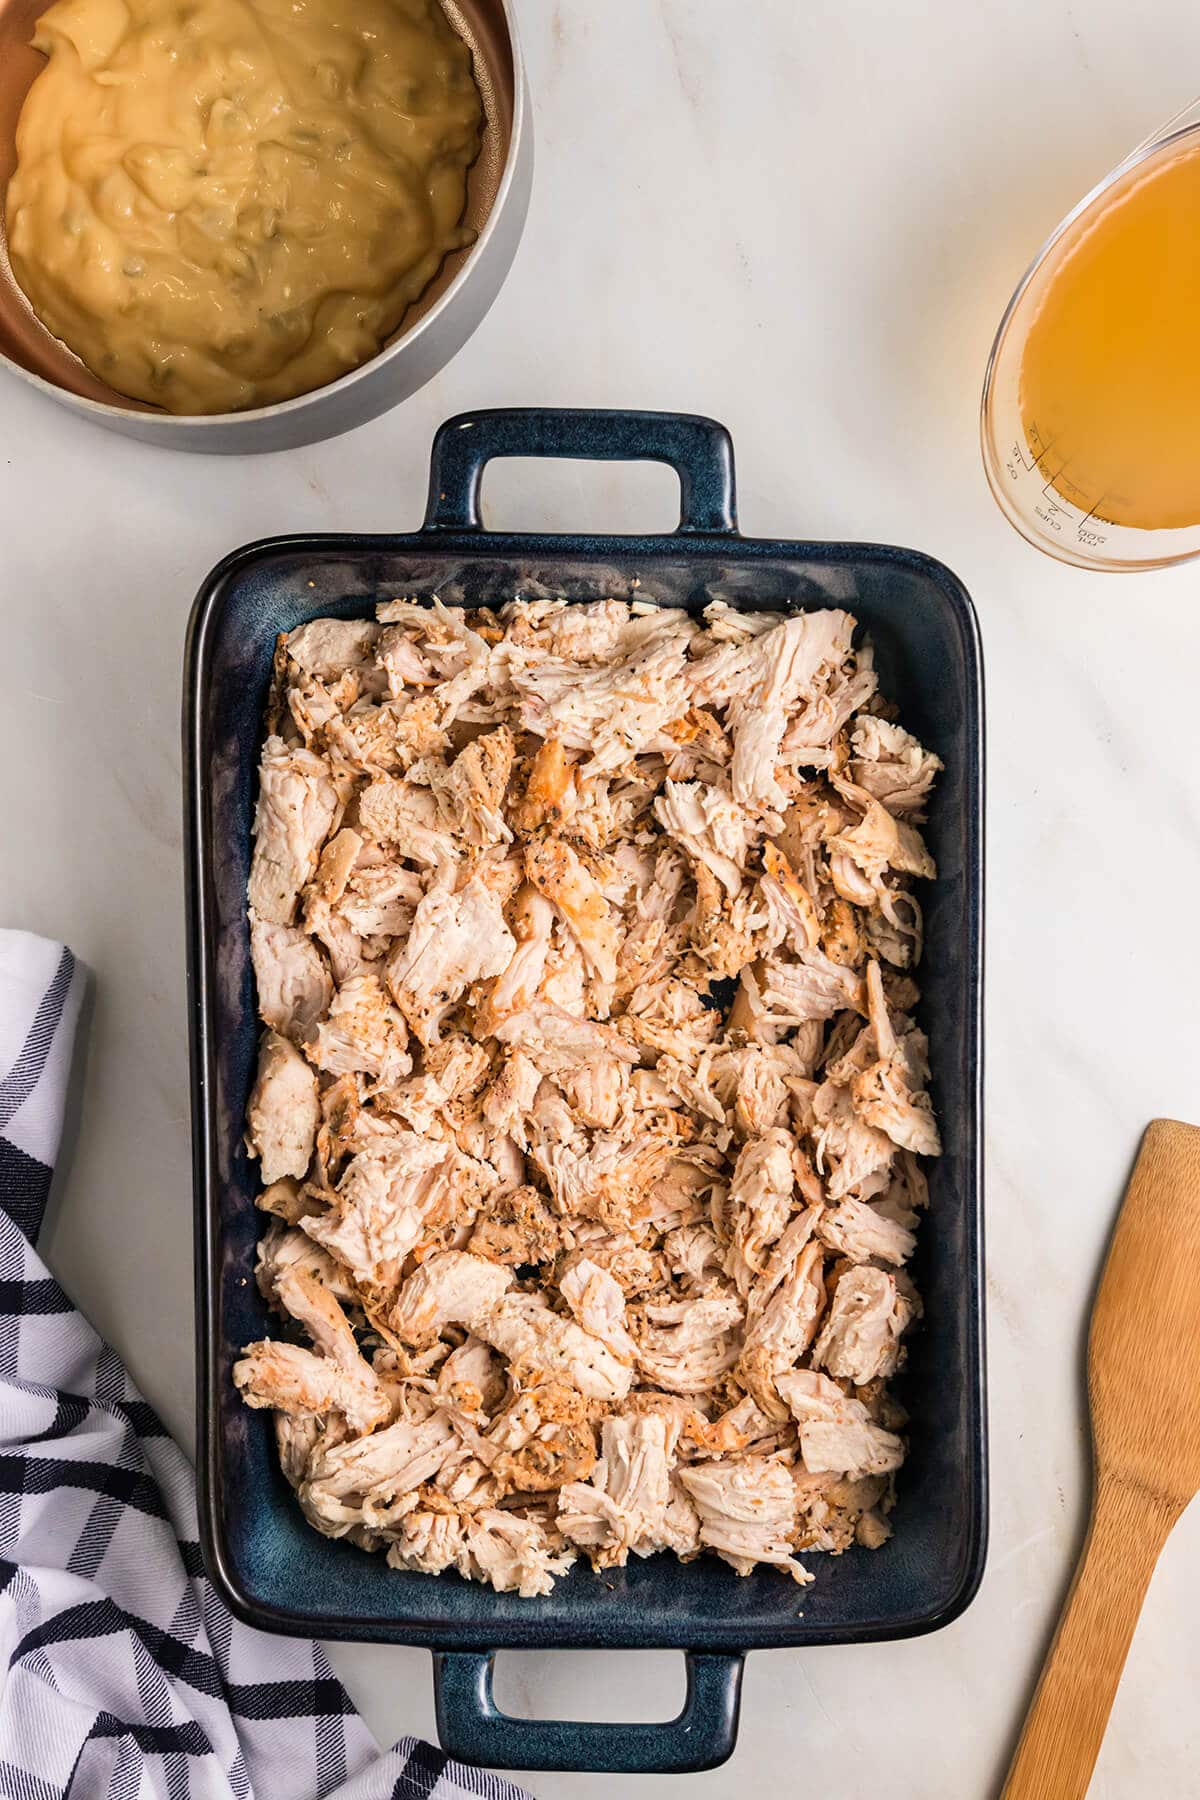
<point>237,225</point>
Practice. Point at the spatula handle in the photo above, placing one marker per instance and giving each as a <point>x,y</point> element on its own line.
<point>1067,1719</point>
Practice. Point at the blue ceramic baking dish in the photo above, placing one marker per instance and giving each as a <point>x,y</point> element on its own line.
<point>272,1568</point>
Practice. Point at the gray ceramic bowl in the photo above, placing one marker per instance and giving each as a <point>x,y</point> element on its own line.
<point>435,327</point>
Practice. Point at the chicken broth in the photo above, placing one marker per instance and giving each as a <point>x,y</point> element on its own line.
<point>632,1268</point>
<point>226,203</point>
<point>1110,372</point>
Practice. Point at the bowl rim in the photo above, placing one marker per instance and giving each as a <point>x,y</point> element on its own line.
<point>204,424</point>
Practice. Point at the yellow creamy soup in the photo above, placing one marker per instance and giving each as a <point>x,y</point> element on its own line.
<point>224,203</point>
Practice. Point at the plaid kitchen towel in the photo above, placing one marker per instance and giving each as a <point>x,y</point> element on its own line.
<point>122,1677</point>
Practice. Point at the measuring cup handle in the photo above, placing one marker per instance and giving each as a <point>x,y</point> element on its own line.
<point>698,449</point>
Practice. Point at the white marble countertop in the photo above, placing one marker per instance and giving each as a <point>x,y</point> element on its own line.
<point>804,221</point>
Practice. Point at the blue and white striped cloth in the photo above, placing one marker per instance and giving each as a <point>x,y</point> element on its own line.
<point>122,1677</point>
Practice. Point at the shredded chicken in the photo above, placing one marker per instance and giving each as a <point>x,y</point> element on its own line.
<point>282,1116</point>
<point>591,1098</point>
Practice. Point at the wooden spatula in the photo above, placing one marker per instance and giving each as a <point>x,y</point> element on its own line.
<point>1144,1384</point>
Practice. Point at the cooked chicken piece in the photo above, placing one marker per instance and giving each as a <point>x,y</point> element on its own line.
<point>609,1180</point>
<point>550,796</point>
<point>731,625</point>
<point>297,1436</point>
<point>346,1128</point>
<point>369,739</point>
<point>694,1087</point>
<point>287,1247</point>
<point>597,1092</point>
<point>373,1480</point>
<point>509,1099</point>
<point>459,657</point>
<point>298,806</point>
<point>747,1512</point>
<point>814,815</point>
<point>631,1503</point>
<point>896,932</point>
<point>694,1253</point>
<point>293,1380</point>
<point>782,1329</point>
<point>471,791</point>
<point>891,765</point>
<point>711,826</point>
<point>587,631</point>
<point>843,938</point>
<point>317,706</point>
<point>669,1018</point>
<point>634,1269</point>
<point>285,1201</point>
<point>451,1288</point>
<point>907,1194</point>
<point>810,988</point>
<point>599,1306</point>
<point>861,1233</point>
<point>456,939</point>
<point>800,1228</point>
<point>335,866</point>
<point>429,1543</point>
<point>652,945</point>
<point>850,1152</point>
<point>685,1190</point>
<point>703,749</point>
<point>558,1043</point>
<point>399,813</point>
<point>558,873</point>
<point>759,1204</point>
<point>346,953</point>
<point>861,1335</point>
<point>816,739</point>
<point>524,1330</point>
<point>380,899</point>
<point>393,1192</point>
<point>837,1434</point>
<point>782,667</point>
<point>725,934</point>
<point>362,1034</point>
<point>328,647</point>
<point>283,1113</point>
<point>849,882</point>
<point>743,1425</point>
<point>552,1121</point>
<point>460,1067</point>
<point>889,1094</point>
<point>471,1377</point>
<point>293,984</point>
<point>762,1076</point>
<point>518,1229</point>
<point>401,663</point>
<point>879,841</point>
<point>618,709</point>
<point>685,1346</point>
<point>519,984</point>
<point>513,1554</point>
<point>543,1439</point>
<point>792,914</point>
<point>364,1403</point>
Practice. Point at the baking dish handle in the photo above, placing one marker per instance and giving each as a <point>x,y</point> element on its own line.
<point>699,450</point>
<point>473,1729</point>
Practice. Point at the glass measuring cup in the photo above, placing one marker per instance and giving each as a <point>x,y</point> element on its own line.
<point>1046,492</point>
